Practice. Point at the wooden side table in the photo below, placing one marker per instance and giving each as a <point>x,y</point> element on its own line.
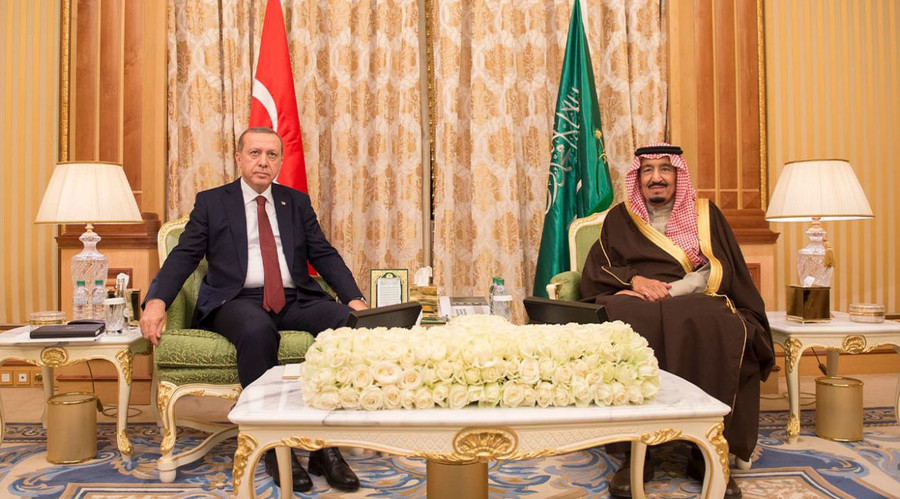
<point>115,348</point>
<point>841,335</point>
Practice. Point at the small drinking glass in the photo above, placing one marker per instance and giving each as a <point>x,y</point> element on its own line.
<point>115,314</point>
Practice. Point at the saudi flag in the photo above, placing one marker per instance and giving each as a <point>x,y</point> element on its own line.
<point>579,182</point>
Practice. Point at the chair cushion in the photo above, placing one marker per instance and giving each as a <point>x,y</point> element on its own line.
<point>200,350</point>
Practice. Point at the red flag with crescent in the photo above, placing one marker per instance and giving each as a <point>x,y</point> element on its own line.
<point>274,104</point>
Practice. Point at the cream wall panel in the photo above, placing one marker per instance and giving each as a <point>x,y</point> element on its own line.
<point>832,72</point>
<point>29,60</point>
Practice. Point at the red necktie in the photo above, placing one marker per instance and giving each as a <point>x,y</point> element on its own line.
<point>273,294</point>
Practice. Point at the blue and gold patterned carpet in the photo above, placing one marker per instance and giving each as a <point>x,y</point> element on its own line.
<point>811,468</point>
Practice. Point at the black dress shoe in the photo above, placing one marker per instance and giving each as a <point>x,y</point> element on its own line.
<point>696,469</point>
<point>620,485</point>
<point>330,462</point>
<point>301,481</point>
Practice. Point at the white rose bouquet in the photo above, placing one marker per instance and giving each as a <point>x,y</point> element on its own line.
<point>481,360</point>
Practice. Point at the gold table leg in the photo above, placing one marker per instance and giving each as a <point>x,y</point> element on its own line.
<point>452,481</point>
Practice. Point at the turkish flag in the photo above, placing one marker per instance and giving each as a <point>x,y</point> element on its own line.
<point>274,104</point>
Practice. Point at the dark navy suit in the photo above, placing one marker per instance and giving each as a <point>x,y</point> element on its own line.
<point>217,230</point>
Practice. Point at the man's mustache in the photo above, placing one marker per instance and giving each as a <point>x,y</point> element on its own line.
<point>657,184</point>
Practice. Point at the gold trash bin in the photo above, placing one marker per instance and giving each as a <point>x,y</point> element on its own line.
<point>71,427</point>
<point>839,408</point>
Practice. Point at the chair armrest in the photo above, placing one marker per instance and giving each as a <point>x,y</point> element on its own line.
<point>566,286</point>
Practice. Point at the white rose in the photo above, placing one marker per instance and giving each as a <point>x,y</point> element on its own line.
<point>428,376</point>
<point>459,396</point>
<point>423,398</point>
<point>472,375</point>
<point>491,395</point>
<point>327,399</point>
<point>440,392</point>
<point>361,377</point>
<point>619,397</point>
<point>386,373</point>
<point>580,389</point>
<point>529,371</point>
<point>349,397</point>
<point>562,396</point>
<point>410,379</point>
<point>408,359</point>
<point>648,368</point>
<point>408,399</point>
<point>371,398</point>
<point>635,396</point>
<point>437,350</point>
<point>342,376</point>
<point>510,369</point>
<point>607,372</point>
<point>444,370</point>
<point>544,394</point>
<point>324,376</point>
<point>602,395</point>
<point>649,388</point>
<point>338,358</point>
<point>563,375</point>
<point>547,367</point>
<point>529,397</point>
<point>625,374</point>
<point>475,393</point>
<point>512,395</point>
<point>392,397</point>
<point>491,374</point>
<point>393,350</point>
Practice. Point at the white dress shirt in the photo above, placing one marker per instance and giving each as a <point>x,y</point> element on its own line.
<point>255,275</point>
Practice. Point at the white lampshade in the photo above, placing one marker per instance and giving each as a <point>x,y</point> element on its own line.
<point>88,192</point>
<point>827,189</point>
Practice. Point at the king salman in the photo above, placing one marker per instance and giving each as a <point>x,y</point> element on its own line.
<point>668,264</point>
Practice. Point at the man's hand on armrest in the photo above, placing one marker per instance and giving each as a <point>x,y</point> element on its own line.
<point>357,305</point>
<point>153,319</point>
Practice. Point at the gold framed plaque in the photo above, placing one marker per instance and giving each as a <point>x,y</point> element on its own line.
<point>388,287</point>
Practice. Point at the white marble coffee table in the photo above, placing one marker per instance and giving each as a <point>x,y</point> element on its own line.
<point>455,443</point>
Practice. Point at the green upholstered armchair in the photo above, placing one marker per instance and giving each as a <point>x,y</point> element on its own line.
<point>197,362</point>
<point>583,233</point>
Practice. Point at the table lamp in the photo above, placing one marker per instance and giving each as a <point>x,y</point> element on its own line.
<point>814,191</point>
<point>90,193</point>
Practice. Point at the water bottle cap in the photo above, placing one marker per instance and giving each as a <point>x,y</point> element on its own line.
<point>500,281</point>
<point>79,283</point>
<point>98,282</point>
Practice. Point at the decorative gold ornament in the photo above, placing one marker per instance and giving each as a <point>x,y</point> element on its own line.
<point>124,443</point>
<point>303,443</point>
<point>54,357</point>
<point>660,436</point>
<point>234,394</point>
<point>484,445</point>
<point>854,344</point>
<point>791,352</point>
<point>125,358</point>
<point>246,445</point>
<point>163,396</point>
<point>793,427</point>
<point>480,445</point>
<point>714,434</point>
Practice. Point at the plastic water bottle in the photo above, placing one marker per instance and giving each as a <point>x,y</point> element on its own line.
<point>500,300</point>
<point>98,294</point>
<point>80,302</point>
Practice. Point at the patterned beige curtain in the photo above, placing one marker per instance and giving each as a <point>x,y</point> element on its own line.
<point>497,68</point>
<point>356,71</point>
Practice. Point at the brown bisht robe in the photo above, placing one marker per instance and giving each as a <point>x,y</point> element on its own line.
<point>719,340</point>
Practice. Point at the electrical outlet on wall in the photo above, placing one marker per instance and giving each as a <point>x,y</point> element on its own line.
<point>5,377</point>
<point>23,378</point>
